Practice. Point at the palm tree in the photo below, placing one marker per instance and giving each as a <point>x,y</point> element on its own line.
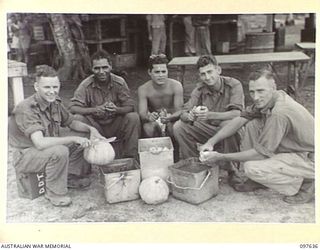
<point>74,59</point>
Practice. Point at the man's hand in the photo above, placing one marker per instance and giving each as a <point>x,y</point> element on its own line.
<point>201,113</point>
<point>82,141</point>
<point>206,147</point>
<point>192,114</point>
<point>100,110</point>
<point>211,156</point>
<point>165,117</point>
<point>111,107</point>
<point>94,133</point>
<point>152,117</point>
<point>165,120</point>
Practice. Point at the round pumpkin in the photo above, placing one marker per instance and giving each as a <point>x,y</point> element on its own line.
<point>100,152</point>
<point>154,190</point>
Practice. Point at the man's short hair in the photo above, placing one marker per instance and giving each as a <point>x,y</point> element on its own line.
<point>263,72</point>
<point>206,60</point>
<point>45,71</point>
<point>101,54</point>
<point>157,59</point>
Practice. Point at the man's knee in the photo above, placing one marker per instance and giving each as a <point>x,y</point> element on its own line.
<point>81,118</point>
<point>178,127</point>
<point>150,129</point>
<point>58,152</point>
<point>170,129</point>
<point>252,168</point>
<point>132,118</point>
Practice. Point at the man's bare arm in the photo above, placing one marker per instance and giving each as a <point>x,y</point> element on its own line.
<point>143,104</point>
<point>177,102</point>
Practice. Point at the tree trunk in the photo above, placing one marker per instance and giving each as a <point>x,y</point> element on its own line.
<point>83,65</point>
<point>63,38</point>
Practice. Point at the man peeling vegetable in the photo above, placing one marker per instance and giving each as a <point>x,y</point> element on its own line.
<point>103,100</point>
<point>213,103</point>
<point>277,147</point>
<point>160,101</point>
<point>41,143</point>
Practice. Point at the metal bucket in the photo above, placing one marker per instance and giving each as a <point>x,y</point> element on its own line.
<point>193,181</point>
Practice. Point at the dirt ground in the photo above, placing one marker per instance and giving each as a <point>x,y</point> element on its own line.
<point>89,205</point>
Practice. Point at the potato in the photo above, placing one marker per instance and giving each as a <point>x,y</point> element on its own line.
<point>200,109</point>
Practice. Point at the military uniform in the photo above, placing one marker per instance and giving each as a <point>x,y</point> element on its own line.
<point>34,114</point>
<point>229,97</point>
<point>125,127</point>
<point>283,132</point>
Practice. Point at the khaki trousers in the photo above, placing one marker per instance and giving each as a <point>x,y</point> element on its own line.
<point>283,172</point>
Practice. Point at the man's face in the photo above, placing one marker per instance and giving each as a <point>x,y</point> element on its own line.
<point>101,69</point>
<point>261,91</point>
<point>159,73</point>
<point>48,88</point>
<point>209,74</point>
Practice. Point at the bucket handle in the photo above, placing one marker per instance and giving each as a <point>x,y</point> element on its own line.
<point>192,188</point>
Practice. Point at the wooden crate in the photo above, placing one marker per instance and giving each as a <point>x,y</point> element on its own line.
<point>30,185</point>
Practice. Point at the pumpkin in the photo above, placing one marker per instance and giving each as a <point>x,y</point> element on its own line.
<point>154,190</point>
<point>100,152</point>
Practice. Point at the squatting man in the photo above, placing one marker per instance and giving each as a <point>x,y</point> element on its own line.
<point>277,147</point>
<point>160,101</point>
<point>46,137</point>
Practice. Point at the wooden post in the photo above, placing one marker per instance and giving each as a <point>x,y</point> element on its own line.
<point>99,36</point>
<point>124,45</point>
<point>269,25</point>
<point>16,70</point>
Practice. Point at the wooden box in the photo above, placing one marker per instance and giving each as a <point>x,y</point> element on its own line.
<point>30,185</point>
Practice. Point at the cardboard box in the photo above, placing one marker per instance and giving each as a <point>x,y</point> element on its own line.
<point>31,185</point>
<point>155,163</point>
<point>121,179</point>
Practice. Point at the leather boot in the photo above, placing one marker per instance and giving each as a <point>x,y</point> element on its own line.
<point>248,186</point>
<point>305,194</point>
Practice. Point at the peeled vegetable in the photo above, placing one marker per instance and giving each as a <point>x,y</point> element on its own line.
<point>100,152</point>
<point>154,190</point>
<point>157,150</point>
<point>199,109</point>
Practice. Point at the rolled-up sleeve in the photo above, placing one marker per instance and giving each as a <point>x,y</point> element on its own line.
<point>275,129</point>
<point>28,122</point>
<point>125,97</point>
<point>80,97</point>
<point>66,117</point>
<point>236,97</point>
<point>193,101</point>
